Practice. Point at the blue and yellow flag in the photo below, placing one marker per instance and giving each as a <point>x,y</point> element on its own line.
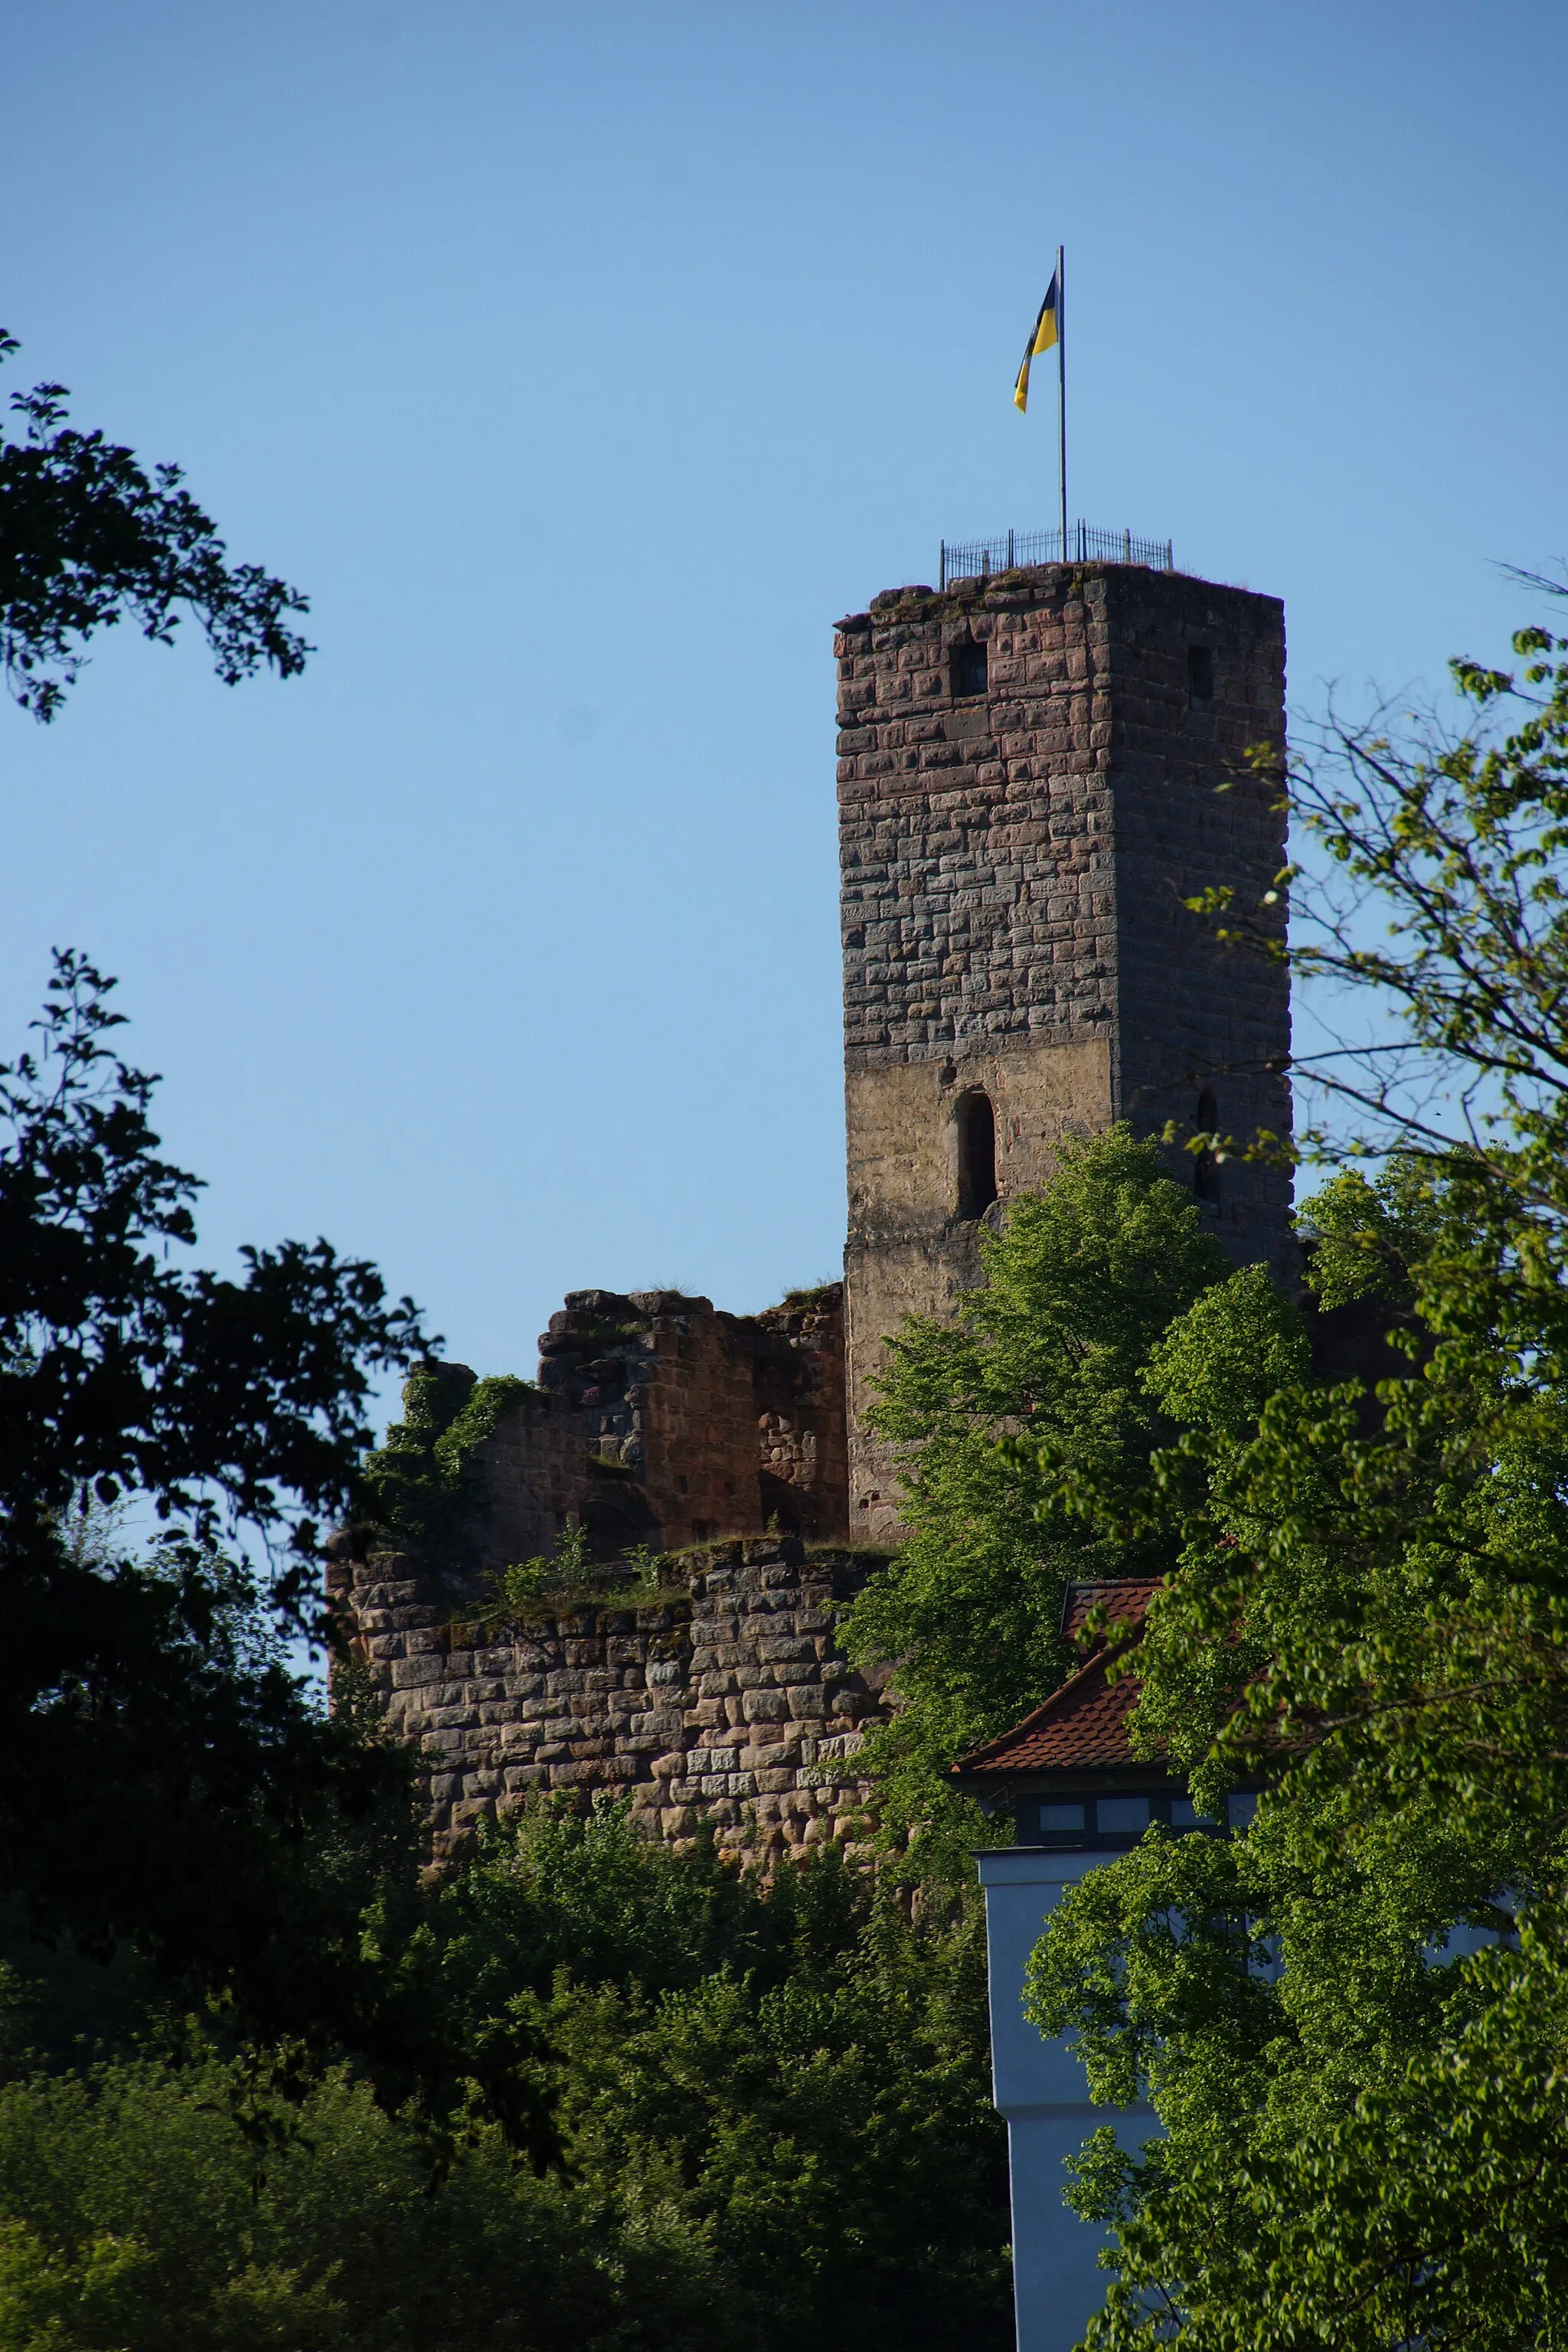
<point>1041,339</point>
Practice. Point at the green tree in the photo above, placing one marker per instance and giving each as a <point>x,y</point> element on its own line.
<point>795,2068</point>
<point>1430,931</point>
<point>88,537</point>
<point>1080,1281</point>
<point>1351,2021</point>
<point>169,1787</point>
<point>135,2221</point>
<point>774,2112</point>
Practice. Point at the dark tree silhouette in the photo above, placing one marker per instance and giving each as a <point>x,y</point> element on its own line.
<point>87,536</point>
<point>169,1787</point>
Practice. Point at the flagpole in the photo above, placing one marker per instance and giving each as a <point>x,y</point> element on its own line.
<point>1062,392</point>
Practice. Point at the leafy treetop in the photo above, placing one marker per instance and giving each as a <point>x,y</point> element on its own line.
<point>87,536</point>
<point>1351,2020</point>
<point>122,1369</point>
<point>1036,1382</point>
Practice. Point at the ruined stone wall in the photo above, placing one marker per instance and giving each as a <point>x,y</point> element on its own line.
<point>727,1700</point>
<point>660,1421</point>
<point>1014,864</point>
<point>1015,851</point>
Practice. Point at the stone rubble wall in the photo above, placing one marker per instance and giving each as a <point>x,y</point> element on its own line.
<point>1015,864</point>
<point>659,1420</point>
<point>729,1702</point>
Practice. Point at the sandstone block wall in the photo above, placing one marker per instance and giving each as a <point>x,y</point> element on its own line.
<point>1187,1010</point>
<point>658,1421</point>
<point>1013,866</point>
<point>729,1700</point>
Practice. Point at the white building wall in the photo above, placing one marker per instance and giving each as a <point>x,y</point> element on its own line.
<point>1041,2089</point>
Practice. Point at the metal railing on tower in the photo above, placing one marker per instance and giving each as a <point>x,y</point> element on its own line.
<point>978,558</point>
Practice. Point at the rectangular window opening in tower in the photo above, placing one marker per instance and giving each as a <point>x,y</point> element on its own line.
<point>969,669</point>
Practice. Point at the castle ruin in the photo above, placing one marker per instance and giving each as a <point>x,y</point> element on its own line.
<point>1035,771</point>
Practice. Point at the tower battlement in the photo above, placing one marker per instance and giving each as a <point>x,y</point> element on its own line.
<point>1035,769</point>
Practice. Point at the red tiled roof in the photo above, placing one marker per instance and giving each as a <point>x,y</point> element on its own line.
<point>1125,1600</point>
<point>1082,1726</point>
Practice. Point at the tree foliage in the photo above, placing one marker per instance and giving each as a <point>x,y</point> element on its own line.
<point>775,2130</point>
<point>1080,1281</point>
<point>1351,2021</point>
<point>168,1785</point>
<point>1430,931</point>
<point>88,537</point>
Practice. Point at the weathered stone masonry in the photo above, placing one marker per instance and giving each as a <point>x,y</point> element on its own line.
<point>656,1424</point>
<point>658,1421</point>
<point>730,1702</point>
<point>1030,784</point>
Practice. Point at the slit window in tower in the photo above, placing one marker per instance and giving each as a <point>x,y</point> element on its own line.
<point>1206,1168</point>
<point>1200,677</point>
<point>969,670</point>
<point>976,1155</point>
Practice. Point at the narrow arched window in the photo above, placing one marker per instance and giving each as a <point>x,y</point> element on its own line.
<point>976,1155</point>
<point>1205,1166</point>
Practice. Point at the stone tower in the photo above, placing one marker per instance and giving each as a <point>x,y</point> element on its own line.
<point>1035,770</point>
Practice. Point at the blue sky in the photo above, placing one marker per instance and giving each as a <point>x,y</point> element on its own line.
<point>584,364</point>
